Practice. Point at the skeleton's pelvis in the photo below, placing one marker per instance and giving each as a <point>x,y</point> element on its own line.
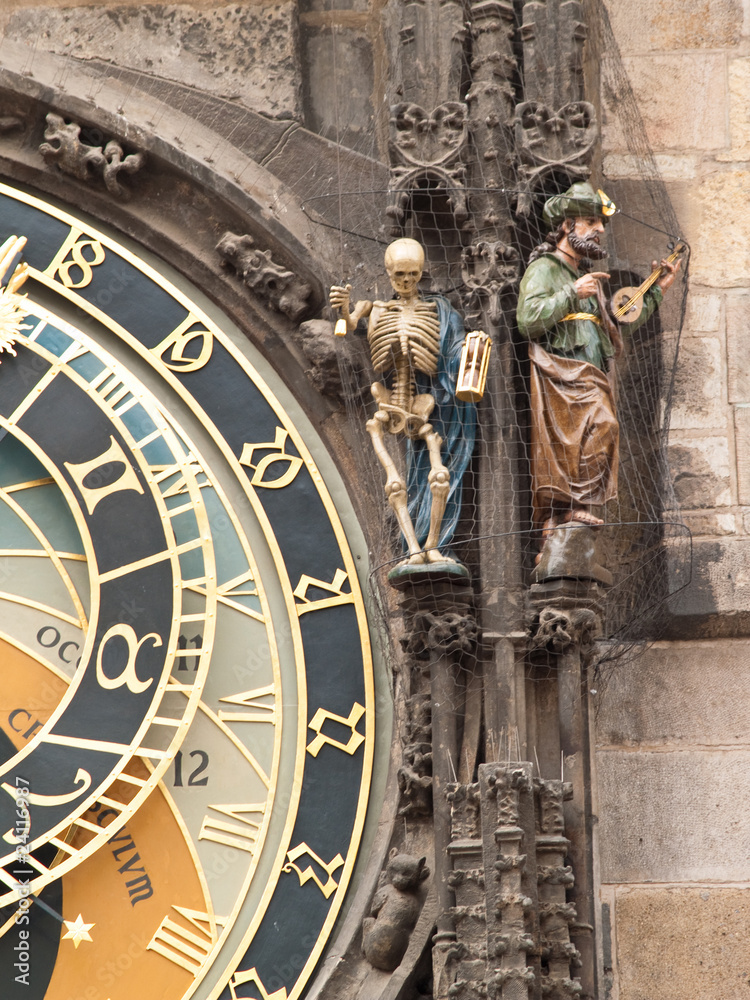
<point>408,419</point>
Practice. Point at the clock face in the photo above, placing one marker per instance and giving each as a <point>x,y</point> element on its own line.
<point>186,708</point>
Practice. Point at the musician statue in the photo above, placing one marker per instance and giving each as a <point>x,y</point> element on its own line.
<point>419,338</point>
<point>572,336</point>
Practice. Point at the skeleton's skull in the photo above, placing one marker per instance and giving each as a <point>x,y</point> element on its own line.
<point>404,262</point>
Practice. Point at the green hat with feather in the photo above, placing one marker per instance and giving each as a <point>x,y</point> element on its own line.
<point>578,201</point>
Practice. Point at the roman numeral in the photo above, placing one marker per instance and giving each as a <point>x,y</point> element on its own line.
<point>249,700</point>
<point>242,833</point>
<point>186,948</point>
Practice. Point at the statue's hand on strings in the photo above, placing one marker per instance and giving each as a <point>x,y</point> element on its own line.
<point>670,269</point>
<point>587,285</point>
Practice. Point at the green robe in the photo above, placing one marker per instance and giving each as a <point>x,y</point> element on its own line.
<point>547,294</point>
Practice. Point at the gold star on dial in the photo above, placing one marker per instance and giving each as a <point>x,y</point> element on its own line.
<point>77,930</point>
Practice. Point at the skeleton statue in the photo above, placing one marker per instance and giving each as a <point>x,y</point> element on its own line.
<point>418,338</point>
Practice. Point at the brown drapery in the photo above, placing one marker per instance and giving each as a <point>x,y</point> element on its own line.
<point>574,434</point>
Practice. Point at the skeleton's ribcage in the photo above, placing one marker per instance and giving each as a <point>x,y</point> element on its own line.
<point>413,336</point>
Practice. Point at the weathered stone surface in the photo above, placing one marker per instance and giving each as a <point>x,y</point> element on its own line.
<point>742,445</point>
<point>679,167</point>
<point>701,471</point>
<point>683,944</point>
<point>739,122</point>
<point>652,699</point>
<point>681,824</point>
<point>721,250</point>
<point>641,26</point>
<point>681,98</point>
<point>248,52</point>
<point>738,348</point>
<point>710,522</point>
<point>703,313</point>
<point>351,86</point>
<point>719,591</point>
<point>699,394</point>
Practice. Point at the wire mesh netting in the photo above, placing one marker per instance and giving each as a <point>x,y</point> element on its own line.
<point>485,207</point>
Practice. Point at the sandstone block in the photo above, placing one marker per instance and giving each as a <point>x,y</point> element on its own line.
<point>681,98</point>
<point>651,699</point>
<point>742,444</point>
<point>699,391</point>
<point>673,817</point>
<point>738,348</point>
<point>709,522</point>
<point>739,121</point>
<point>703,24</point>
<point>701,471</point>
<point>672,167</point>
<point>721,250</point>
<point>719,589</point>
<point>703,313</point>
<point>675,943</point>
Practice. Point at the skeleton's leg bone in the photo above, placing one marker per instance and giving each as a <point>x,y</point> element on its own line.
<point>395,487</point>
<point>439,480</point>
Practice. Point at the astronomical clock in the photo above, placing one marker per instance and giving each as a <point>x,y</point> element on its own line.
<point>186,709</point>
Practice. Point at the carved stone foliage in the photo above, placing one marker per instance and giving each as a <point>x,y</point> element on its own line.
<point>394,911</point>
<point>559,956</point>
<point>428,150</point>
<point>555,128</point>
<point>64,149</point>
<point>282,290</point>
<point>509,818</point>
<point>560,631</point>
<point>449,632</point>
<point>549,141</point>
<point>415,773</point>
<point>465,810</point>
<point>490,270</point>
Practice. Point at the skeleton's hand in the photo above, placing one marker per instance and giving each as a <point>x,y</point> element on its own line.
<point>339,297</point>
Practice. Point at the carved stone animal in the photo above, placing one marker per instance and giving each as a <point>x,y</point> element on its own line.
<point>395,910</point>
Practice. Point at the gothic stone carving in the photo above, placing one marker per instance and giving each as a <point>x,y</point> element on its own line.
<point>282,290</point>
<point>449,632</point>
<point>394,911</point>
<point>550,141</point>
<point>64,149</point>
<point>559,631</point>
<point>428,148</point>
<point>415,774</point>
<point>490,270</point>
<point>508,905</point>
<point>559,955</point>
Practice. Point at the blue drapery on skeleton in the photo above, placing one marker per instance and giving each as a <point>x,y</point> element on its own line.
<point>454,420</point>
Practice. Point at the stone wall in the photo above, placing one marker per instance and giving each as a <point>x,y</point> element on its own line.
<point>673,727</point>
<point>689,65</point>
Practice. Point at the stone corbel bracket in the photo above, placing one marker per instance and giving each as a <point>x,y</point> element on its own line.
<point>550,142</point>
<point>428,152</point>
<point>281,290</point>
<point>64,149</point>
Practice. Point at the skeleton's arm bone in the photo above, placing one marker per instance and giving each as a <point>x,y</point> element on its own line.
<point>338,298</point>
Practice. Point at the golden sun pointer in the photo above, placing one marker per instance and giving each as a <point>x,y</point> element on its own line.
<point>77,930</point>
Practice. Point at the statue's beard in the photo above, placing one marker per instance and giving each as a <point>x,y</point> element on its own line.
<point>586,248</point>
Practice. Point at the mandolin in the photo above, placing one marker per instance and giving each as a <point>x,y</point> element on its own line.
<point>627,303</point>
